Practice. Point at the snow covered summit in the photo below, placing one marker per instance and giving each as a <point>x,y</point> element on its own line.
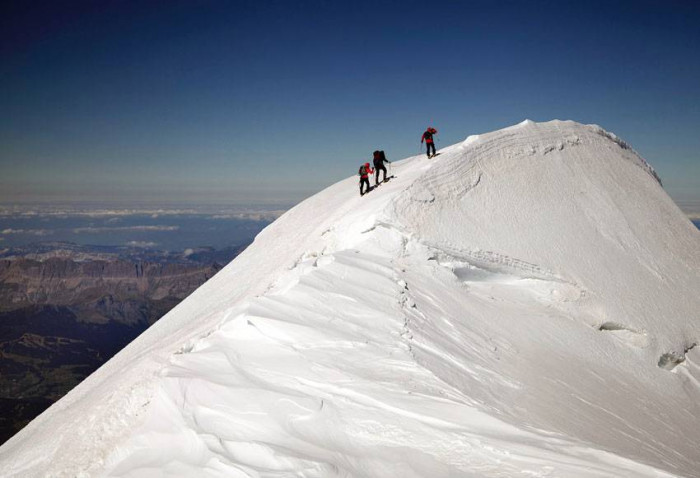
<point>524,304</point>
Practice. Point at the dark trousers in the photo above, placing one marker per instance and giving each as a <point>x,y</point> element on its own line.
<point>430,145</point>
<point>364,181</point>
<point>377,169</point>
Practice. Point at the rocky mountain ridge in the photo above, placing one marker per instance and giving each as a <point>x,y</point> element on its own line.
<point>99,284</point>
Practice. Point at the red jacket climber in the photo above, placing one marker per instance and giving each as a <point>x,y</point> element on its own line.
<point>428,138</point>
<point>364,173</point>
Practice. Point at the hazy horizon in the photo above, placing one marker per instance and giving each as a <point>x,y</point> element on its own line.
<point>172,229</point>
<point>688,203</point>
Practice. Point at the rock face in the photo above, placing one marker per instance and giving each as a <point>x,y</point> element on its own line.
<point>62,316</point>
<point>101,290</point>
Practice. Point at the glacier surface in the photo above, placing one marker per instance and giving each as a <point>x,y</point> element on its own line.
<point>525,304</point>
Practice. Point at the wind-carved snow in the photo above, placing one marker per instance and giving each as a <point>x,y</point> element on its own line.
<point>669,361</point>
<point>524,304</point>
<point>625,334</point>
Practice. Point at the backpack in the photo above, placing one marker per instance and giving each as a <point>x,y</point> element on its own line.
<point>382,156</point>
<point>362,170</point>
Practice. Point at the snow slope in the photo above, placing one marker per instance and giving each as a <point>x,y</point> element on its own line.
<point>524,304</point>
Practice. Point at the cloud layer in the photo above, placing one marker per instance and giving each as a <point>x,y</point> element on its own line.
<point>98,230</point>
<point>32,232</point>
<point>252,214</point>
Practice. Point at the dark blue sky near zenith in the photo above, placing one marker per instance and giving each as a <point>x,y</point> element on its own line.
<point>268,102</point>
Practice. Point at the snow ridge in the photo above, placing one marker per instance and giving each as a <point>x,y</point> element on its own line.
<point>523,304</point>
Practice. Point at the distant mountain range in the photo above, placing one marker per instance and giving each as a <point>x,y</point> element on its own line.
<point>65,309</point>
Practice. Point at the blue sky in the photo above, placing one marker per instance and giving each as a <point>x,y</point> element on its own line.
<point>199,102</point>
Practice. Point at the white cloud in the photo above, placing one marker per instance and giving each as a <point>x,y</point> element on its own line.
<point>32,232</point>
<point>97,230</point>
<point>250,215</point>
<point>143,244</point>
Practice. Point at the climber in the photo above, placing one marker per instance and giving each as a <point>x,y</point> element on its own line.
<point>428,138</point>
<point>379,160</point>
<point>364,173</point>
